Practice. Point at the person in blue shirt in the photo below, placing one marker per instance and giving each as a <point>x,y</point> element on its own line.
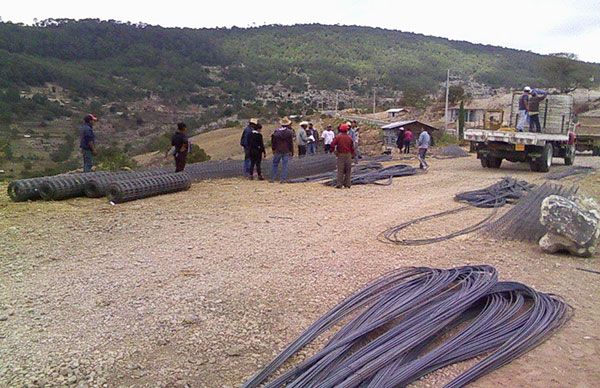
<point>87,142</point>
<point>423,142</point>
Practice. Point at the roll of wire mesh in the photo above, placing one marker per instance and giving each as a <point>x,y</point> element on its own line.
<point>25,189</point>
<point>130,190</point>
<point>67,185</point>
<point>98,187</point>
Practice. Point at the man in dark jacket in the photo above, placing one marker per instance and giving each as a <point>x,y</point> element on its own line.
<point>343,146</point>
<point>282,144</point>
<point>257,152</point>
<point>181,146</point>
<point>244,142</point>
<point>87,142</point>
<point>533,110</point>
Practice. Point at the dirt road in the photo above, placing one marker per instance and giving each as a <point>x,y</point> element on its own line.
<point>202,288</point>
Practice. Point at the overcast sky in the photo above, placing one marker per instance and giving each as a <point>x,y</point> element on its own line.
<point>546,26</point>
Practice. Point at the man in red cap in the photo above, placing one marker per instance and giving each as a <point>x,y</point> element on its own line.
<point>343,146</point>
<point>87,142</point>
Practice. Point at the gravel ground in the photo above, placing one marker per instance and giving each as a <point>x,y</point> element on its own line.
<point>204,287</point>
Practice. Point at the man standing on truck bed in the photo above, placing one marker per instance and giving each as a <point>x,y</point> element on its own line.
<point>523,105</point>
<point>533,110</point>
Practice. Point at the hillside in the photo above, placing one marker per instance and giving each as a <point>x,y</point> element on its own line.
<point>142,79</point>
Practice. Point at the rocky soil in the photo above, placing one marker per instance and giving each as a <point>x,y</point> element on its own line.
<point>202,288</point>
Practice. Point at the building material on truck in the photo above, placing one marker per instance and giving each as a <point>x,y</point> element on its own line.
<point>522,222</point>
<point>556,113</point>
<point>413,321</point>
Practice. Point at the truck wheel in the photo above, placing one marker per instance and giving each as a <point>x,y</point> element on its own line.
<point>545,161</point>
<point>570,155</point>
<point>494,162</point>
<point>596,151</point>
<point>484,161</point>
<point>534,166</point>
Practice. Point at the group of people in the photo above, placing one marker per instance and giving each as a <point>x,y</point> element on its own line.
<point>344,145</point>
<point>529,109</point>
<point>307,141</point>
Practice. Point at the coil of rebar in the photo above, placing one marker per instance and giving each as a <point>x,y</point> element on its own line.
<point>413,321</point>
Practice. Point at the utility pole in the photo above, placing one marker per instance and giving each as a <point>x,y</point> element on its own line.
<point>374,99</point>
<point>446,110</point>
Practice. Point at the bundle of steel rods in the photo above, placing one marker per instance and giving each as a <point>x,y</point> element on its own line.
<point>494,196</point>
<point>522,222</point>
<point>129,190</point>
<point>413,321</point>
<point>573,170</point>
<point>363,174</point>
<point>499,194</point>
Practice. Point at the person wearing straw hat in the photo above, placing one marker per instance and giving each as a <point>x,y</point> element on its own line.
<point>302,139</point>
<point>245,143</point>
<point>282,144</point>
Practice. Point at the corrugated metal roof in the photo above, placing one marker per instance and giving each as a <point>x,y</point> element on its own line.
<point>398,124</point>
<point>396,110</point>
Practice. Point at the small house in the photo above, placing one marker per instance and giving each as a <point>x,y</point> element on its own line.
<point>473,114</point>
<point>395,112</point>
<point>390,131</point>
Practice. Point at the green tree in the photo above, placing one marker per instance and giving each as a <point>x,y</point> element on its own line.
<point>114,159</point>
<point>197,154</point>
<point>461,120</point>
<point>564,72</point>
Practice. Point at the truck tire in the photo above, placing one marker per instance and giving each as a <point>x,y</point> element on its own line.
<point>484,161</point>
<point>494,162</point>
<point>545,161</point>
<point>596,151</point>
<point>570,155</point>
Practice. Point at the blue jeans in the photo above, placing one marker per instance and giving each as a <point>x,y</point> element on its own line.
<point>247,162</point>
<point>88,160</point>
<point>312,148</point>
<point>284,166</point>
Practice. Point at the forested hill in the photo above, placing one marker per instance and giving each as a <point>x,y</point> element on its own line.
<point>114,60</point>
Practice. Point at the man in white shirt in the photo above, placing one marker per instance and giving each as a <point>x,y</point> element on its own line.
<point>328,135</point>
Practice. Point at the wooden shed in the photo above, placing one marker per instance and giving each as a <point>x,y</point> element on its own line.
<point>390,131</point>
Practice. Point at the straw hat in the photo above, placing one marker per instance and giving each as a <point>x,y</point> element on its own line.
<point>254,121</point>
<point>304,123</point>
<point>285,121</point>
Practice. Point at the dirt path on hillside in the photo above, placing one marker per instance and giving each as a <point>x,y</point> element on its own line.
<point>202,288</point>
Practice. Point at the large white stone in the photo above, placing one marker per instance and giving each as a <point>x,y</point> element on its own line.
<point>572,225</point>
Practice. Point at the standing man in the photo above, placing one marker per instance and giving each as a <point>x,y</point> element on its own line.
<point>523,108</point>
<point>343,147</point>
<point>534,110</point>
<point>313,137</point>
<point>282,144</point>
<point>181,146</point>
<point>423,142</point>
<point>353,132</point>
<point>257,152</point>
<point>87,142</point>
<point>244,142</point>
<point>327,137</point>
<point>400,139</point>
<point>302,139</point>
<point>408,138</point>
